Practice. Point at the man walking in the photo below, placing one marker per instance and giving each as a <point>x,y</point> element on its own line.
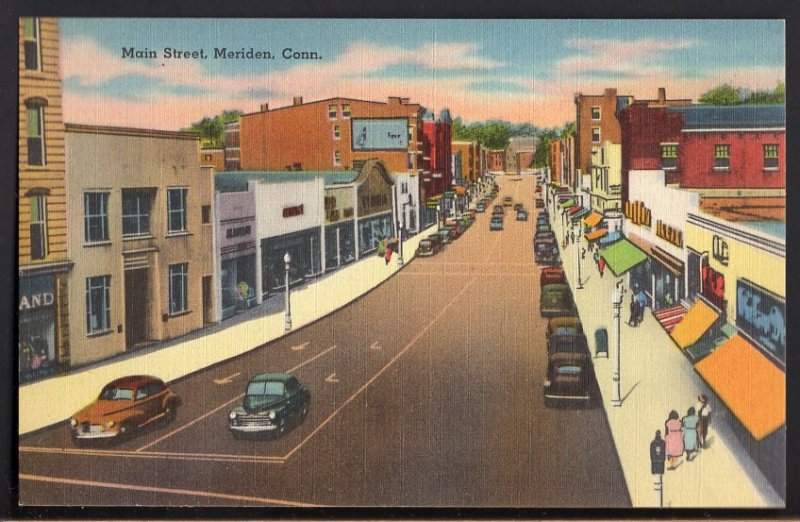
<point>642,298</point>
<point>704,412</point>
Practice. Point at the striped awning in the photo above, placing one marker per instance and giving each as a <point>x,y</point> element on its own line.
<point>593,219</point>
<point>574,210</point>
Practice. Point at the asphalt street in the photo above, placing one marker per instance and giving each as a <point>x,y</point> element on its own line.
<point>425,392</point>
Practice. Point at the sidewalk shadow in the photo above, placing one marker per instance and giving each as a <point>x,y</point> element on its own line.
<point>625,397</point>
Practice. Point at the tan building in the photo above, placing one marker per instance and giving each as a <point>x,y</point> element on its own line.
<point>213,157</point>
<point>44,344</point>
<point>470,152</point>
<point>142,232</point>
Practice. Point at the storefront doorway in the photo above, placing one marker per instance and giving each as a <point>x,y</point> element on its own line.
<point>137,299</point>
<point>304,247</point>
<point>37,327</point>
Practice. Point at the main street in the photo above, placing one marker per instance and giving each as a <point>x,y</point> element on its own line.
<point>425,392</point>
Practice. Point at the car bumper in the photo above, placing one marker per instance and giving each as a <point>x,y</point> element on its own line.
<point>253,429</point>
<point>424,254</point>
<point>81,435</point>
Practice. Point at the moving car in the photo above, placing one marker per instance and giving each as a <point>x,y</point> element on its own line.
<point>552,275</point>
<point>568,379</point>
<point>498,209</point>
<point>271,402</point>
<point>556,300</point>
<point>124,405</point>
<point>496,223</point>
<point>566,325</point>
<point>445,235</point>
<point>522,215</point>
<point>539,203</point>
<point>428,247</point>
<point>480,207</point>
<point>508,201</point>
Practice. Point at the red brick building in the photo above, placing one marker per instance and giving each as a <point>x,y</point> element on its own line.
<point>496,160</point>
<point>437,154</point>
<point>554,160</point>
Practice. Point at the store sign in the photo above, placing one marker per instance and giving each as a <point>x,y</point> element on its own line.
<point>293,211</point>
<point>719,249</point>
<point>637,213</point>
<point>238,231</point>
<point>36,292</point>
<point>380,134</point>
<point>669,233</point>
<point>762,316</point>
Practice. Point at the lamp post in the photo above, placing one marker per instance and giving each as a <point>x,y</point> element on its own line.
<point>616,302</point>
<point>287,259</point>
<point>578,255</point>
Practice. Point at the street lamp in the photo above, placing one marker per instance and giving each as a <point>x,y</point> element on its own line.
<point>578,255</point>
<point>287,259</point>
<point>616,302</point>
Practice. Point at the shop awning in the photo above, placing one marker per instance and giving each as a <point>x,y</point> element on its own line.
<point>579,213</point>
<point>568,203</point>
<point>596,234</point>
<point>694,324</point>
<point>574,210</point>
<point>461,190</point>
<point>593,219</point>
<point>622,256</point>
<point>751,386</point>
<point>610,238</point>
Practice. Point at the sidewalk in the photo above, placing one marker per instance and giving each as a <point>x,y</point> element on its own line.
<point>657,378</point>
<point>49,401</point>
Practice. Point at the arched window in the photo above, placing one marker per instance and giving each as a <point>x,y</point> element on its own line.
<point>35,121</point>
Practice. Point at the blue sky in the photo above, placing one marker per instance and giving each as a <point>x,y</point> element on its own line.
<point>520,70</point>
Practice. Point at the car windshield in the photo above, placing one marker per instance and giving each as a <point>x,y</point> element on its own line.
<point>424,244</point>
<point>265,388</point>
<point>116,394</point>
<point>568,369</point>
<point>542,247</point>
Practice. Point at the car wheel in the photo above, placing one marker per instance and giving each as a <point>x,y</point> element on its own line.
<point>125,431</point>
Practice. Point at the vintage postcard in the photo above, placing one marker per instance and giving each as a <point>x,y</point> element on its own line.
<point>426,263</point>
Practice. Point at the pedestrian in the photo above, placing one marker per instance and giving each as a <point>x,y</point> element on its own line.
<point>674,438</point>
<point>642,298</point>
<point>689,424</point>
<point>704,412</point>
<point>634,311</point>
<point>382,247</point>
<point>388,253</point>
<point>572,236</point>
<point>601,265</point>
<point>596,257</point>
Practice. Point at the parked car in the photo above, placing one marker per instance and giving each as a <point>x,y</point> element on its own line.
<point>546,254</point>
<point>539,203</point>
<point>480,207</point>
<point>508,201</point>
<point>538,189</point>
<point>473,214</point>
<point>498,209</point>
<point>429,247</point>
<point>455,230</point>
<point>556,300</point>
<point>271,403</point>
<point>496,223</point>
<point>436,238</point>
<point>566,325</point>
<point>547,235</point>
<point>552,275</point>
<point>519,206</point>
<point>543,227</point>
<point>446,235</point>
<point>522,215</point>
<point>568,379</point>
<point>123,406</point>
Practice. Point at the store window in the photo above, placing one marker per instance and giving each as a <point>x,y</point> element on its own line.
<point>178,288</point>
<point>98,304</point>
<point>37,327</point>
<point>32,47</point>
<point>722,157</point>
<point>669,157</point>
<point>95,216</point>
<point>136,205</point>
<point>410,161</point>
<point>38,227</point>
<point>205,214</point>
<point>771,157</point>
<point>176,210</point>
<point>35,132</point>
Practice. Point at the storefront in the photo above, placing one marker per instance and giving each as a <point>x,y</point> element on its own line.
<point>237,252</point>
<point>375,206</point>
<point>340,245</point>
<point>38,355</point>
<point>371,230</point>
<point>339,222</point>
<point>304,249</point>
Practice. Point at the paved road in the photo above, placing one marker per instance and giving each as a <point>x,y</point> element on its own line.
<point>425,392</point>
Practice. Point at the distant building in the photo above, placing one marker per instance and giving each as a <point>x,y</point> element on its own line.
<point>496,161</point>
<point>214,158</point>
<point>232,149</point>
<point>519,155</point>
<point>555,161</point>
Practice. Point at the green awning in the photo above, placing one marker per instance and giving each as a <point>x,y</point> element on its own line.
<point>622,256</point>
<point>568,203</point>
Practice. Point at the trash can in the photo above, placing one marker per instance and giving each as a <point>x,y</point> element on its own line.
<point>600,342</point>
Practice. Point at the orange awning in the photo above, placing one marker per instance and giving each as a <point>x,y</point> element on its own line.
<point>697,321</point>
<point>460,190</point>
<point>593,219</point>
<point>749,384</point>
<point>596,234</point>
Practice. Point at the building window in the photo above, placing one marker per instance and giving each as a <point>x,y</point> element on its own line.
<point>205,211</point>
<point>98,304</point>
<point>411,161</point>
<point>411,134</point>
<point>176,210</point>
<point>32,57</point>
<point>178,288</point>
<point>95,217</point>
<point>337,132</point>
<point>136,205</point>
<point>771,157</point>
<point>345,110</point>
<point>722,157</point>
<point>38,227</point>
<point>331,112</point>
<point>596,113</point>
<point>595,134</point>
<point>669,157</point>
<point>337,158</point>
<point>35,133</point>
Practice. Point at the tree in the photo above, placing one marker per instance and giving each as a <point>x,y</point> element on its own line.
<point>545,138</point>
<point>727,95</point>
<point>495,135</point>
<point>212,130</point>
<point>722,95</point>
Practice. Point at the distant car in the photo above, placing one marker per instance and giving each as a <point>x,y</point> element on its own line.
<point>519,206</point>
<point>566,325</point>
<point>480,207</point>
<point>271,403</point>
<point>522,215</point>
<point>508,201</point>
<point>446,235</point>
<point>547,235</point>
<point>543,227</point>
<point>455,230</point>
<point>498,209</point>
<point>539,203</point>
<point>551,276</point>
<point>124,405</point>
<point>428,247</point>
<point>538,189</point>
<point>568,379</point>
<point>496,223</point>
<point>556,300</point>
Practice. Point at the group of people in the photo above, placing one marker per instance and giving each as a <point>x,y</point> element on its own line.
<point>638,305</point>
<point>385,249</point>
<point>687,435</point>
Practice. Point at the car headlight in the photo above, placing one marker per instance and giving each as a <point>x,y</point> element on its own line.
<point>547,384</point>
<point>272,414</point>
<point>73,422</point>
<point>232,415</point>
<point>110,424</point>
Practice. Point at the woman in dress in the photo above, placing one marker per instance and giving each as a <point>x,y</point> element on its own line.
<point>690,423</point>
<point>674,437</point>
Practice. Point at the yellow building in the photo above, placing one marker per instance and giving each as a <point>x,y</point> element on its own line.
<point>606,176</point>
<point>470,159</point>
<point>42,226</point>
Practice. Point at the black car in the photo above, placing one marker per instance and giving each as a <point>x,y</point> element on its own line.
<point>271,403</point>
<point>556,300</point>
<point>569,378</point>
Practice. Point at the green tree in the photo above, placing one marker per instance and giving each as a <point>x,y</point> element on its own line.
<point>722,95</point>
<point>727,95</point>
<point>212,129</point>
<point>545,138</point>
<point>495,135</point>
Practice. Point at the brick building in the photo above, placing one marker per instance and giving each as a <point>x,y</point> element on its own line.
<point>437,154</point>
<point>214,158</point>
